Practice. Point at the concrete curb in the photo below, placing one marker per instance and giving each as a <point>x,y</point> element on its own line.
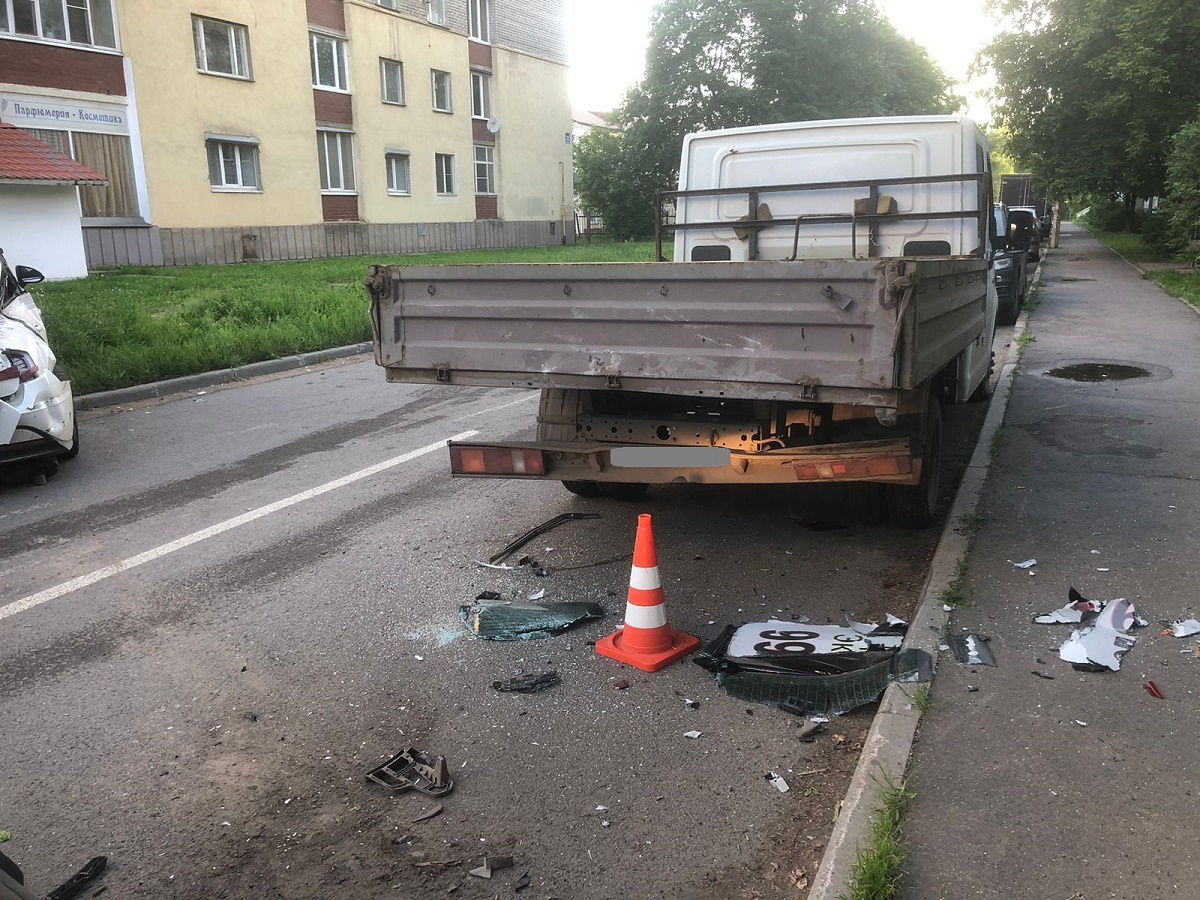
<point>160,389</point>
<point>889,741</point>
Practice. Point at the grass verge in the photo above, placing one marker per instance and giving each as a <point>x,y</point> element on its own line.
<point>133,325</point>
<point>878,866</point>
<point>956,593</point>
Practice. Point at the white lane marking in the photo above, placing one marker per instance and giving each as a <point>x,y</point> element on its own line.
<point>75,584</point>
<point>492,409</point>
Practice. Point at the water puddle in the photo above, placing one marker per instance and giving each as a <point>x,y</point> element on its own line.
<point>1097,372</point>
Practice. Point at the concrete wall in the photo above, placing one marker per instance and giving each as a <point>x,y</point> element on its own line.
<point>39,227</point>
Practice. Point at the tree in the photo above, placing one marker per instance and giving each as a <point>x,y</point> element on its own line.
<point>726,63</point>
<point>1090,90</point>
<point>1183,187</point>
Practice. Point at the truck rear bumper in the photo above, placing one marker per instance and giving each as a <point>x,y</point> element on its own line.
<point>888,461</point>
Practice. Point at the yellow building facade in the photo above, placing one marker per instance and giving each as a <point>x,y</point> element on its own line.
<point>238,129</point>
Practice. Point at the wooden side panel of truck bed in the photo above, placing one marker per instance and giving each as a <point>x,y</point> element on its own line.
<point>764,330</point>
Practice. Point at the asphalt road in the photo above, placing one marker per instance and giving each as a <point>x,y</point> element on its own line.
<point>233,605</point>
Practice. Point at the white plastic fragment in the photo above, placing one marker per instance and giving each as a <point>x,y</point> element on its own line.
<point>1102,570</point>
<point>1103,642</point>
<point>538,595</point>
<point>1185,628</point>
<point>1027,564</point>
<point>946,607</point>
<point>692,734</point>
<point>1081,723</point>
<point>777,781</point>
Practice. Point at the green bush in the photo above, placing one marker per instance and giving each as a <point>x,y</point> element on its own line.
<point>1183,184</point>
<point>1160,232</point>
<point>1109,215</point>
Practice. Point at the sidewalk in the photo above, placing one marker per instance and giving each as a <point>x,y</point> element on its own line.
<point>1081,787</point>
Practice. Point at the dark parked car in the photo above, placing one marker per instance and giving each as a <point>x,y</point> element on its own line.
<point>1027,228</point>
<point>1011,266</point>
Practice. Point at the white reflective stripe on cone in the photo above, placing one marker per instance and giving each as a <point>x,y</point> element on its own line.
<point>644,579</point>
<point>645,616</point>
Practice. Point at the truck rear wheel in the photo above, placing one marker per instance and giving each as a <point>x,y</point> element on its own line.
<point>865,502</point>
<point>558,413</point>
<point>913,506</point>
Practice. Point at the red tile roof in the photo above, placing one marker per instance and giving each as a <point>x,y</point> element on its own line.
<point>25,158</point>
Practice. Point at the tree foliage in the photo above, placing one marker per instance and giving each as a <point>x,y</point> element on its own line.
<point>726,63</point>
<point>1090,91</point>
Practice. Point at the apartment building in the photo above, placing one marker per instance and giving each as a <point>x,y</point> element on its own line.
<point>244,129</point>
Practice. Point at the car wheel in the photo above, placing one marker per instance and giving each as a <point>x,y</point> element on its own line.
<point>913,506</point>
<point>612,490</point>
<point>1007,311</point>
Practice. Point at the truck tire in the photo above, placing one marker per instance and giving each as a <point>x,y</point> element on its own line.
<point>913,506</point>
<point>984,390</point>
<point>865,502</point>
<point>558,413</point>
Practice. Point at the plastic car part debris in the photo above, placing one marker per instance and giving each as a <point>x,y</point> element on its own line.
<point>809,731</point>
<point>972,649</point>
<point>518,621</point>
<point>691,704</point>
<point>1042,675</point>
<point>777,781</point>
<point>528,684</point>
<point>1186,628</point>
<point>79,882</point>
<point>412,770</point>
<point>539,530</point>
<point>491,865</point>
<point>522,883</point>
<point>882,637</point>
<point>621,685</point>
<point>1026,564</point>
<point>436,811</point>
<point>777,636</point>
<point>536,595</point>
<point>1101,644</point>
<point>1153,691</point>
<point>1078,609</point>
<point>692,734</point>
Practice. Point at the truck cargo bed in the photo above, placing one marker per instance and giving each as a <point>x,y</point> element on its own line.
<point>823,330</point>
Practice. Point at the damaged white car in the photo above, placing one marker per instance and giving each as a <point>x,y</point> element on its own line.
<point>37,410</point>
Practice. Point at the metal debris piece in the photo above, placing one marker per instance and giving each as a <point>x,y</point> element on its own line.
<point>522,883</point>
<point>972,649</point>
<point>520,621</point>
<point>809,730</point>
<point>1185,628</point>
<point>81,880</point>
<point>537,531</point>
<point>529,684</point>
<point>492,864</point>
<point>1153,691</point>
<point>1101,644</point>
<point>777,781</point>
<point>1027,564</point>
<point>412,769</point>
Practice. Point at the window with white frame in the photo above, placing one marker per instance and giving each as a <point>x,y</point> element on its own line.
<point>328,56</point>
<point>443,167</point>
<point>441,91</point>
<point>397,172</point>
<point>481,95</point>
<point>391,81</point>
<point>437,12</point>
<point>232,163</point>
<point>222,48</point>
<point>335,156</point>
<point>89,22</point>
<point>485,169</point>
<point>479,20</point>
<point>390,4</point>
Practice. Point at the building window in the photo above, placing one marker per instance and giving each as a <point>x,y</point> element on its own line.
<point>481,95</point>
<point>485,169</point>
<point>389,4</point>
<point>221,47</point>
<point>233,164</point>
<point>441,91</point>
<point>397,173</point>
<point>391,81</point>
<point>328,62</point>
<point>335,156</point>
<point>479,20</point>
<point>87,22</point>
<point>443,164</point>
<point>437,12</point>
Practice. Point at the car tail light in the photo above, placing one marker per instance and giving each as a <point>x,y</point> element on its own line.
<point>468,460</point>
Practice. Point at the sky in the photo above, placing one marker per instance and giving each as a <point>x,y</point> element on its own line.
<point>606,43</point>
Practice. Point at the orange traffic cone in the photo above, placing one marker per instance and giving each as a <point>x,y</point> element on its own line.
<point>646,641</point>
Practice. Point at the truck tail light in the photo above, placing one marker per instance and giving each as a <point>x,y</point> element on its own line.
<point>468,460</point>
<point>855,469</point>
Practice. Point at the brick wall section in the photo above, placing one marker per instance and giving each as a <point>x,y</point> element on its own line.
<point>43,65</point>
<point>479,55</point>
<point>332,108</point>
<point>326,14</point>
<point>339,208</point>
<point>486,207</point>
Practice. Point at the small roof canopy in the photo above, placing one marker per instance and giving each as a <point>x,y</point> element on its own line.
<point>26,160</point>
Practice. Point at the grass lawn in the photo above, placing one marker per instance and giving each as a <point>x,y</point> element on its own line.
<point>133,325</point>
<point>1177,279</point>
